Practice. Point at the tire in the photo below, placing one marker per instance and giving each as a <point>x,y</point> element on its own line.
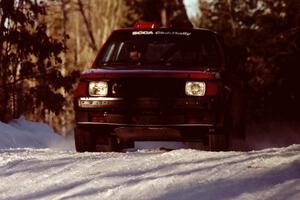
<point>83,140</point>
<point>217,142</point>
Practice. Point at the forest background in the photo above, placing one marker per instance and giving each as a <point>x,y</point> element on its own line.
<point>46,44</point>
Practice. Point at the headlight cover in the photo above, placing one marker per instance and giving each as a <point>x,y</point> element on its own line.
<point>195,88</point>
<point>98,88</point>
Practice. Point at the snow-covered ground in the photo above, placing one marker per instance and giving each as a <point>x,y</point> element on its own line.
<point>35,163</point>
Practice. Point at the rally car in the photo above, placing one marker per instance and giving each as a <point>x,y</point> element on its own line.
<point>157,84</point>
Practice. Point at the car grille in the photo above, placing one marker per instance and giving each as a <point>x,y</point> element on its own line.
<point>147,87</point>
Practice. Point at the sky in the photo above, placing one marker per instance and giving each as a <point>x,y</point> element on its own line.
<point>191,7</point>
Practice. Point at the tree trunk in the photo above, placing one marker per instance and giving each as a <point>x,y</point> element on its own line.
<point>88,26</point>
<point>3,72</point>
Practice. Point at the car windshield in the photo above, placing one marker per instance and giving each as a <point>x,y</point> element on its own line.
<point>179,50</point>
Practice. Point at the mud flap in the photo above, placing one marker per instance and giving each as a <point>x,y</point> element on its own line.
<point>106,144</point>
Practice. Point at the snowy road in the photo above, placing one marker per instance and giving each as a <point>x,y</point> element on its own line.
<point>179,174</point>
<point>47,172</point>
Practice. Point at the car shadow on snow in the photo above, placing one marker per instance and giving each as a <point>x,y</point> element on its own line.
<point>233,188</point>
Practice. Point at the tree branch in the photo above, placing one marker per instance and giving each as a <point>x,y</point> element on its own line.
<point>88,26</point>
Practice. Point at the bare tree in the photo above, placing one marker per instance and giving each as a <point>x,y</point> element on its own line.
<point>87,25</point>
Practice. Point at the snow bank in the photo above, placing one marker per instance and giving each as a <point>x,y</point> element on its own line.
<point>21,133</point>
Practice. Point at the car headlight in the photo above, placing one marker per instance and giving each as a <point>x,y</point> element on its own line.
<point>98,88</point>
<point>195,88</point>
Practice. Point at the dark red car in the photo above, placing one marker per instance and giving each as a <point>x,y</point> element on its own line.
<point>157,84</point>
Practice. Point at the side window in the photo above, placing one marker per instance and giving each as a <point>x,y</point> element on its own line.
<point>121,53</point>
<point>116,51</point>
<point>108,54</point>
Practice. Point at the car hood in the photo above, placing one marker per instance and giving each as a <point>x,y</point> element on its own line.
<point>107,73</point>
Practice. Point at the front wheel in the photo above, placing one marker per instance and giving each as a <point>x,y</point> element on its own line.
<point>217,142</point>
<point>83,140</point>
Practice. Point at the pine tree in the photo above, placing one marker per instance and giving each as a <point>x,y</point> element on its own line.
<point>163,13</point>
<point>262,39</point>
<point>30,71</point>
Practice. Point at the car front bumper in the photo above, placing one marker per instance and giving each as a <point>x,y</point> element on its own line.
<point>153,112</point>
<point>150,118</point>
